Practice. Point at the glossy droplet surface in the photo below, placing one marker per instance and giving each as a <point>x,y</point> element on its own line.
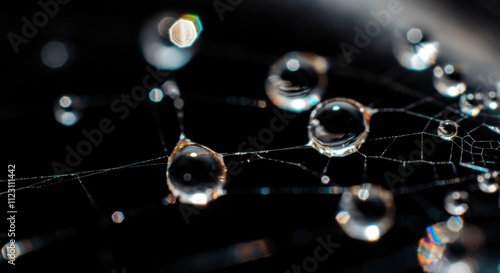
<point>297,81</point>
<point>68,109</point>
<point>447,129</point>
<point>117,217</point>
<point>489,182</point>
<point>456,202</point>
<point>338,127</point>
<point>366,212</point>
<point>472,103</point>
<point>448,81</point>
<point>195,174</point>
<point>414,51</point>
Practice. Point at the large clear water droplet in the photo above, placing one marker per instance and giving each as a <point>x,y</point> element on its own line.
<point>472,103</point>
<point>447,130</point>
<point>489,182</point>
<point>414,51</point>
<point>195,174</point>
<point>68,109</point>
<point>366,212</point>
<point>448,81</point>
<point>338,126</point>
<point>156,45</point>
<point>456,202</point>
<point>297,81</point>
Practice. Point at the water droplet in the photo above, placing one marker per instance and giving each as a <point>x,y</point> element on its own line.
<point>366,212</point>
<point>414,51</point>
<point>297,81</point>
<point>325,179</point>
<point>118,217</point>
<point>68,109</point>
<point>429,254</point>
<point>447,129</point>
<point>472,103</point>
<point>11,251</point>
<point>492,98</point>
<point>456,202</point>
<point>338,127</point>
<point>489,182</point>
<point>156,95</point>
<point>185,31</point>
<point>54,54</point>
<point>158,49</point>
<point>195,174</point>
<point>170,199</point>
<point>448,81</point>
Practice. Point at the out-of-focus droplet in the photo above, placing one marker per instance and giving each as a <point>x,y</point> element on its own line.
<point>414,51</point>
<point>447,130</point>
<point>448,81</point>
<point>118,217</point>
<point>296,82</point>
<point>489,182</point>
<point>472,103</point>
<point>441,233</point>
<point>492,98</point>
<point>338,127</point>
<point>170,199</point>
<point>54,54</point>
<point>156,95</point>
<point>185,31</point>
<point>366,212</point>
<point>429,254</point>
<point>156,46</point>
<point>325,179</point>
<point>195,174</point>
<point>68,109</point>
<point>456,202</point>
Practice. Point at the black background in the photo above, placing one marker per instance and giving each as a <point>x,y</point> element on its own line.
<point>233,59</point>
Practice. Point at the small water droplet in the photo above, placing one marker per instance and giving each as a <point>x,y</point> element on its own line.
<point>338,127</point>
<point>170,199</point>
<point>54,54</point>
<point>185,31</point>
<point>195,174</point>
<point>447,129</point>
<point>325,179</point>
<point>472,103</point>
<point>369,217</point>
<point>448,81</point>
<point>492,98</point>
<point>12,251</point>
<point>158,49</point>
<point>118,217</point>
<point>297,81</point>
<point>156,95</point>
<point>456,202</point>
<point>414,51</point>
<point>430,254</point>
<point>489,182</point>
<point>68,109</point>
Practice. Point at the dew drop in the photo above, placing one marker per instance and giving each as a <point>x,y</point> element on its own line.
<point>297,81</point>
<point>54,54</point>
<point>118,217</point>
<point>492,98</point>
<point>12,251</point>
<point>325,179</point>
<point>157,47</point>
<point>456,202</point>
<point>338,127</point>
<point>156,95</point>
<point>195,174</point>
<point>414,51</point>
<point>472,103</point>
<point>68,109</point>
<point>489,182</point>
<point>170,199</point>
<point>448,81</point>
<point>447,130</point>
<point>366,212</point>
<point>429,254</point>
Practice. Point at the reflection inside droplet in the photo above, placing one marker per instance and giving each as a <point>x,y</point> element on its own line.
<point>489,182</point>
<point>198,179</point>
<point>413,51</point>
<point>366,218</point>
<point>447,129</point>
<point>68,109</point>
<point>456,202</point>
<point>297,81</point>
<point>448,81</point>
<point>157,48</point>
<point>117,217</point>
<point>338,127</point>
<point>54,54</point>
<point>472,103</point>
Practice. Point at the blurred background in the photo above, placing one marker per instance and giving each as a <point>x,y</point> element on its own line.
<point>96,52</point>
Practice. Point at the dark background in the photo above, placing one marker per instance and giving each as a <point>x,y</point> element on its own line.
<point>233,59</point>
